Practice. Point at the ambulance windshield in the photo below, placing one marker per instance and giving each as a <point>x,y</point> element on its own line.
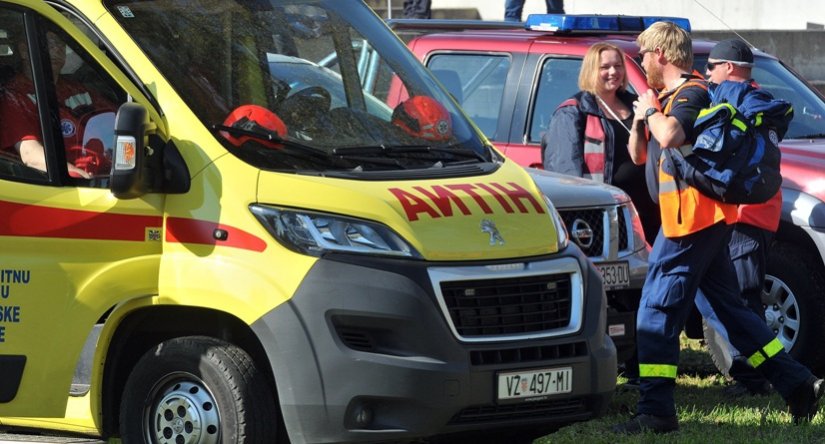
<point>303,85</point>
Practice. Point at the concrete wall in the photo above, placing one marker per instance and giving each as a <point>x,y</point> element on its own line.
<point>802,50</point>
<point>703,14</point>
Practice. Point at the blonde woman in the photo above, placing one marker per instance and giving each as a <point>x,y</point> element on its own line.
<point>589,132</point>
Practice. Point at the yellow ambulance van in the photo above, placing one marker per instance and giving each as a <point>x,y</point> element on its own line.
<point>211,233</point>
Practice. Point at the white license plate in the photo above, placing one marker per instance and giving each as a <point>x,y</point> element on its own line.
<point>615,275</point>
<point>526,384</point>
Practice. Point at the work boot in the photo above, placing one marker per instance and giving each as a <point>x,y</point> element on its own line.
<point>643,423</point>
<point>739,389</point>
<point>804,401</point>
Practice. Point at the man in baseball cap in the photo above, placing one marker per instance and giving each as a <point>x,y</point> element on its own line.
<point>732,51</point>
<point>731,61</point>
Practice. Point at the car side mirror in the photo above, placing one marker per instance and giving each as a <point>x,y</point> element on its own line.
<point>130,173</point>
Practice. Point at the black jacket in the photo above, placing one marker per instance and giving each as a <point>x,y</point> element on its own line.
<point>562,146</point>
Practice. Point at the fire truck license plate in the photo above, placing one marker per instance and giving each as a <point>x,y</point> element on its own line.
<point>527,384</point>
<point>614,274</point>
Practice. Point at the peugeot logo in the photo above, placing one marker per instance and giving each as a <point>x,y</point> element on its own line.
<point>581,233</point>
<point>487,226</point>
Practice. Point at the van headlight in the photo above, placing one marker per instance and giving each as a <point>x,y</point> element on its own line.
<point>314,233</point>
<point>558,223</point>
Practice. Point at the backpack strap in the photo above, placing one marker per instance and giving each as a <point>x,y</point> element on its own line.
<point>688,83</point>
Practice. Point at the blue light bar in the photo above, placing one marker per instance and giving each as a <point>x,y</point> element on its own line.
<point>564,23</point>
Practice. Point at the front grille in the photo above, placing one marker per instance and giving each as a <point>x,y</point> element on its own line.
<point>592,219</point>
<point>488,413</point>
<point>623,231</point>
<point>528,354</point>
<point>507,306</point>
<point>356,339</point>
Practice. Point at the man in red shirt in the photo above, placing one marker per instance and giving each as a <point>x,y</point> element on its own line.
<point>78,106</point>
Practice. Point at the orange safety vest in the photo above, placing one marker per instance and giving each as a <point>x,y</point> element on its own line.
<point>683,208</point>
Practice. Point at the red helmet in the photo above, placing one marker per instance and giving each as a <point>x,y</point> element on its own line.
<point>423,117</point>
<point>254,118</point>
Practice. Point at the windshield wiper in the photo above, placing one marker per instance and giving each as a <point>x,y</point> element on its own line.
<point>271,136</point>
<point>306,150</point>
<point>407,149</point>
<point>810,136</point>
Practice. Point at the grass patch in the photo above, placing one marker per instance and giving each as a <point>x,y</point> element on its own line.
<point>706,415</point>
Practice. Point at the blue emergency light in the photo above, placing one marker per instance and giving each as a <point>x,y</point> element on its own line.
<point>566,23</point>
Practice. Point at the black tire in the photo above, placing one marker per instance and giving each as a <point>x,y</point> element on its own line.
<point>794,309</point>
<point>794,298</point>
<point>197,389</point>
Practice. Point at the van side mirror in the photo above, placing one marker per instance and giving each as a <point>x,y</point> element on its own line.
<point>130,173</point>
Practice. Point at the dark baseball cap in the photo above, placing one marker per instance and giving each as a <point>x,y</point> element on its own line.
<point>732,50</point>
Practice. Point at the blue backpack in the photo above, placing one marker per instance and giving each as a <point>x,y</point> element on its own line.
<point>736,156</point>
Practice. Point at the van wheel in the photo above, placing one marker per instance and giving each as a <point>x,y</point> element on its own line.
<point>794,310</point>
<point>200,390</point>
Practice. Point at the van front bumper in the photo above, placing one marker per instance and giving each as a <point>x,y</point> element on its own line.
<point>364,352</point>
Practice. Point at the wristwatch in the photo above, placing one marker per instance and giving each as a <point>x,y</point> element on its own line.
<point>650,111</point>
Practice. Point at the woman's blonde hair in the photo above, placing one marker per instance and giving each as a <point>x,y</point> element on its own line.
<point>589,74</point>
<point>673,41</point>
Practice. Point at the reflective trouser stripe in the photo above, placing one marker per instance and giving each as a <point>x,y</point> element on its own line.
<point>765,353</point>
<point>657,371</point>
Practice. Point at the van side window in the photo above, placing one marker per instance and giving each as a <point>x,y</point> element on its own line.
<point>559,80</point>
<point>87,100</point>
<point>477,84</point>
<point>81,105</point>
<point>21,153</point>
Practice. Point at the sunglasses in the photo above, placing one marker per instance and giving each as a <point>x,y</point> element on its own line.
<point>712,65</point>
<point>643,52</point>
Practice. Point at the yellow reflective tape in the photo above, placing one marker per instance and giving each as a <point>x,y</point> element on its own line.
<point>740,124</point>
<point>704,112</point>
<point>758,119</point>
<point>773,348</point>
<point>757,359</point>
<point>657,371</point>
<point>768,351</point>
<point>714,108</point>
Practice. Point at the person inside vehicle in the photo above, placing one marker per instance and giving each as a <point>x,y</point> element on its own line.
<point>21,123</point>
<point>589,132</point>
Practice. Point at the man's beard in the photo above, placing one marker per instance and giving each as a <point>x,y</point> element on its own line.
<point>654,78</point>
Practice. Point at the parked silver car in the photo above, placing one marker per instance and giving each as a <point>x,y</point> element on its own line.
<point>602,221</point>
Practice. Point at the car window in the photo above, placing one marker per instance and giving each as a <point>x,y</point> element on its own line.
<point>477,84</point>
<point>559,79</point>
<point>85,102</point>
